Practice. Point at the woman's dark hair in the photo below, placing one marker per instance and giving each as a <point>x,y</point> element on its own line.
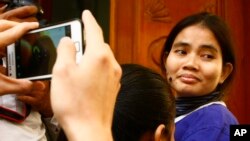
<point>143,103</point>
<point>221,32</point>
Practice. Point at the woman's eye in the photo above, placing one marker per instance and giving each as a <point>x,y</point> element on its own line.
<point>207,56</point>
<point>180,52</point>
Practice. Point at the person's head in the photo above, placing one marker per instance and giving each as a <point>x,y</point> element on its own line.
<point>145,108</point>
<point>198,56</point>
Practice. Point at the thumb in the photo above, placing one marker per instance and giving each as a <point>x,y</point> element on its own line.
<point>14,86</point>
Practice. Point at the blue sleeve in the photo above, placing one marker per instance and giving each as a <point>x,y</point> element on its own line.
<point>208,134</point>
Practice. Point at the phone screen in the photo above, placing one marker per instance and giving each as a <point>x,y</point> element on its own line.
<point>36,52</point>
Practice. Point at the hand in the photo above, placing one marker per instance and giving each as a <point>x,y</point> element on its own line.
<point>20,14</point>
<point>39,98</point>
<point>83,95</point>
<point>10,85</point>
<point>36,94</point>
<point>9,33</point>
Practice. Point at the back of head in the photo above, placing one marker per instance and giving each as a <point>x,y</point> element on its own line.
<point>143,103</point>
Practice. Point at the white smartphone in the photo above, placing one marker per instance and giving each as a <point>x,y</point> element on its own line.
<point>33,56</point>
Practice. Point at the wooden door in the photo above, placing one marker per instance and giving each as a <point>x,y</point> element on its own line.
<point>140,27</point>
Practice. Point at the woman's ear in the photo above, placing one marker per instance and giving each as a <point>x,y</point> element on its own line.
<point>226,71</point>
<point>162,135</point>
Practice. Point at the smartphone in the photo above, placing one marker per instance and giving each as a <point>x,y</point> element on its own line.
<point>33,56</point>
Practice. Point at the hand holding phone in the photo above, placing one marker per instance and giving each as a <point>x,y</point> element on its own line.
<point>33,56</point>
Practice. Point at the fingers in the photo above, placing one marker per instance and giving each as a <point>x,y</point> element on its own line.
<point>6,24</point>
<point>19,14</point>
<point>14,31</point>
<point>28,19</point>
<point>95,43</point>
<point>38,98</point>
<point>10,85</point>
<point>27,99</point>
<point>35,95</point>
<point>66,53</point>
<point>93,32</point>
<point>2,9</point>
<point>100,55</point>
<point>24,11</point>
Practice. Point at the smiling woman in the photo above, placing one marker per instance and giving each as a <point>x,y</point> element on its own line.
<point>198,60</point>
<point>195,64</point>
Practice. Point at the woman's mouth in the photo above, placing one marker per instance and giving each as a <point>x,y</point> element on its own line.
<point>188,78</point>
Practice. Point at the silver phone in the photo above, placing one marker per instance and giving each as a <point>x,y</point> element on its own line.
<point>33,56</point>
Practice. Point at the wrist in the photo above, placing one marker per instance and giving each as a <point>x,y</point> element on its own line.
<point>86,131</point>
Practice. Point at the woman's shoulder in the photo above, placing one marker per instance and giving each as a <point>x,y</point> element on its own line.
<point>214,114</point>
<point>212,119</point>
<point>217,112</point>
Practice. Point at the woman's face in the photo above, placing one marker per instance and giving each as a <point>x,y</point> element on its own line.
<point>194,64</point>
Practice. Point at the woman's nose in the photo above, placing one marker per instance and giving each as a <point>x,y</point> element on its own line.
<point>191,62</point>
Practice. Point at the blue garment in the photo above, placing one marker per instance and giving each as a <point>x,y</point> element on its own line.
<point>210,123</point>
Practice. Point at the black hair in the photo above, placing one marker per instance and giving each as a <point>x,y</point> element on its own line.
<point>143,103</point>
<point>221,32</point>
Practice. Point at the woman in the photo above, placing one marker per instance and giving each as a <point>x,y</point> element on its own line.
<point>198,60</point>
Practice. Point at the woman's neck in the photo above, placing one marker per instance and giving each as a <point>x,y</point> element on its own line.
<point>185,105</point>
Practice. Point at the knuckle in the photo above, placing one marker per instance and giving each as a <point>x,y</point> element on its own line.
<point>107,60</point>
<point>118,71</point>
<point>61,70</point>
<point>24,88</point>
